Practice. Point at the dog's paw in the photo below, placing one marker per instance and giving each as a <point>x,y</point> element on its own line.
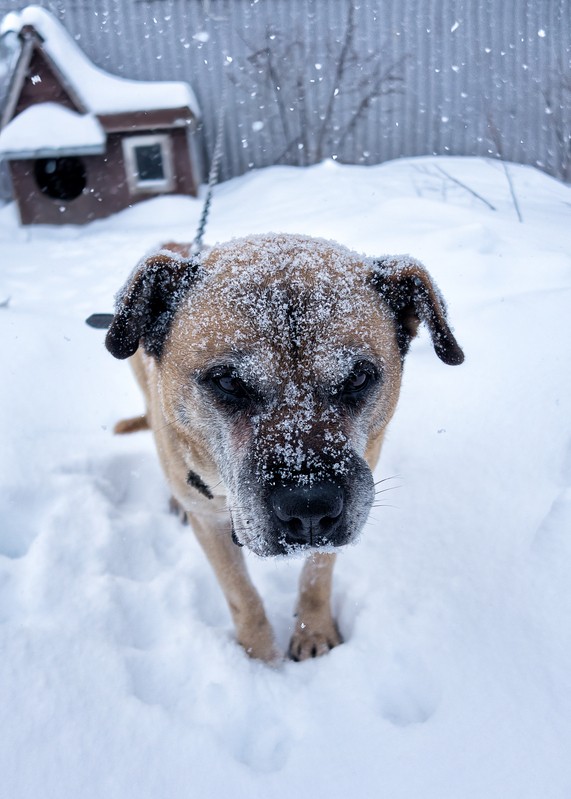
<point>262,647</point>
<point>256,637</point>
<point>309,641</point>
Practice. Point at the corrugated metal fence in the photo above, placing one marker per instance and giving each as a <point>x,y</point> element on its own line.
<point>362,82</point>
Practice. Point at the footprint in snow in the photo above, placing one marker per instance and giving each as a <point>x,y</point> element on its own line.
<point>20,514</point>
<point>135,503</point>
<point>409,694</point>
<point>551,537</point>
<point>247,728</point>
<point>130,479</point>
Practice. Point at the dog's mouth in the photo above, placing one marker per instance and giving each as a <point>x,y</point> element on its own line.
<point>235,538</point>
<point>289,545</point>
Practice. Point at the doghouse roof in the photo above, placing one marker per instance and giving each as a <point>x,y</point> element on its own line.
<point>48,129</point>
<point>92,90</point>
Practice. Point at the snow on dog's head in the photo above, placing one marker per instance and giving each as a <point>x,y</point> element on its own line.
<point>280,357</point>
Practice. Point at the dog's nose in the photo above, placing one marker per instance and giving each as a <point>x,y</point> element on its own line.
<point>308,515</point>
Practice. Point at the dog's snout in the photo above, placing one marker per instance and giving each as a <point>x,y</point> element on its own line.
<point>308,516</point>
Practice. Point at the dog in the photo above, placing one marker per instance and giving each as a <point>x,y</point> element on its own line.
<point>271,366</point>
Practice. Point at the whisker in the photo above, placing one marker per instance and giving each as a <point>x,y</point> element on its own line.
<point>384,490</point>
<point>238,529</point>
<point>163,427</point>
<point>385,479</point>
<point>232,508</point>
<point>241,529</point>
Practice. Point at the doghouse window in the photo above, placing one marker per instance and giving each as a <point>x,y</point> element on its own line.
<point>148,161</point>
<point>60,178</point>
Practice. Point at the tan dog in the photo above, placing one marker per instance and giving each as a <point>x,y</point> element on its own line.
<point>271,366</point>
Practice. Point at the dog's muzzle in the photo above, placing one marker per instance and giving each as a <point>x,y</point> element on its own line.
<point>308,516</point>
<point>281,511</point>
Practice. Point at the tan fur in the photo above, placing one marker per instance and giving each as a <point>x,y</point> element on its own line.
<point>194,340</point>
<point>133,425</point>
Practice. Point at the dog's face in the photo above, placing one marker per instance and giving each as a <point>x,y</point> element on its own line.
<point>281,357</point>
<point>287,362</point>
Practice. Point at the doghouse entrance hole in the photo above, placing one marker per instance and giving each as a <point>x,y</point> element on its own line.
<point>61,178</point>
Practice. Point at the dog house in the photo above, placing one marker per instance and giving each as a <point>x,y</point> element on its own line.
<point>82,144</point>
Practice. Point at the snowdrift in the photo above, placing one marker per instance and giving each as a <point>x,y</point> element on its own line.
<point>119,673</point>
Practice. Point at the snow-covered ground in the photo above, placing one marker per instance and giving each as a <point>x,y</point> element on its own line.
<point>119,674</point>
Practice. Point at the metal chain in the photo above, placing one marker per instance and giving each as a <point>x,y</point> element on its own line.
<point>212,179</point>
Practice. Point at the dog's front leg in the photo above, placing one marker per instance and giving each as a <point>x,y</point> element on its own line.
<point>315,630</point>
<point>252,627</point>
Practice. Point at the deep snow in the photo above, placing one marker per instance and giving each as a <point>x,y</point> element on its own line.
<point>119,674</point>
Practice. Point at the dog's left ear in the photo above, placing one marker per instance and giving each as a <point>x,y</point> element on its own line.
<point>147,303</point>
<point>408,289</point>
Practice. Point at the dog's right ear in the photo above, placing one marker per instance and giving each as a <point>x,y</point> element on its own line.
<point>147,303</point>
<point>413,297</point>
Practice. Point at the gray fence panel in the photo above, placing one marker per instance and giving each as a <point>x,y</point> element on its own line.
<point>462,77</point>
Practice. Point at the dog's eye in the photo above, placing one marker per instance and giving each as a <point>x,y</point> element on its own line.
<point>358,381</point>
<point>229,384</point>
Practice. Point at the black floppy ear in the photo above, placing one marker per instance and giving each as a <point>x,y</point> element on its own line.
<point>147,303</point>
<point>413,297</point>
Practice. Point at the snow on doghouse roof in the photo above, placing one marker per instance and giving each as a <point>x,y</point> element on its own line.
<point>49,129</point>
<point>100,92</point>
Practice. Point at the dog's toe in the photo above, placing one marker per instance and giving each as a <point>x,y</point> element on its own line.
<point>309,643</point>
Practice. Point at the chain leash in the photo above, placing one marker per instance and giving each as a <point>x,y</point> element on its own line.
<point>212,178</point>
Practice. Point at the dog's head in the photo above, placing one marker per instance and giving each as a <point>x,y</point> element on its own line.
<point>281,356</point>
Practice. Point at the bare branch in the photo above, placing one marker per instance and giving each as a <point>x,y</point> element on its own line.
<point>512,190</point>
<point>497,139</point>
<point>382,88</point>
<point>347,41</point>
<point>466,188</point>
<point>293,86</point>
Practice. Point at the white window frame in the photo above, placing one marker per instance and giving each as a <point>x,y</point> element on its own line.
<point>138,186</point>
